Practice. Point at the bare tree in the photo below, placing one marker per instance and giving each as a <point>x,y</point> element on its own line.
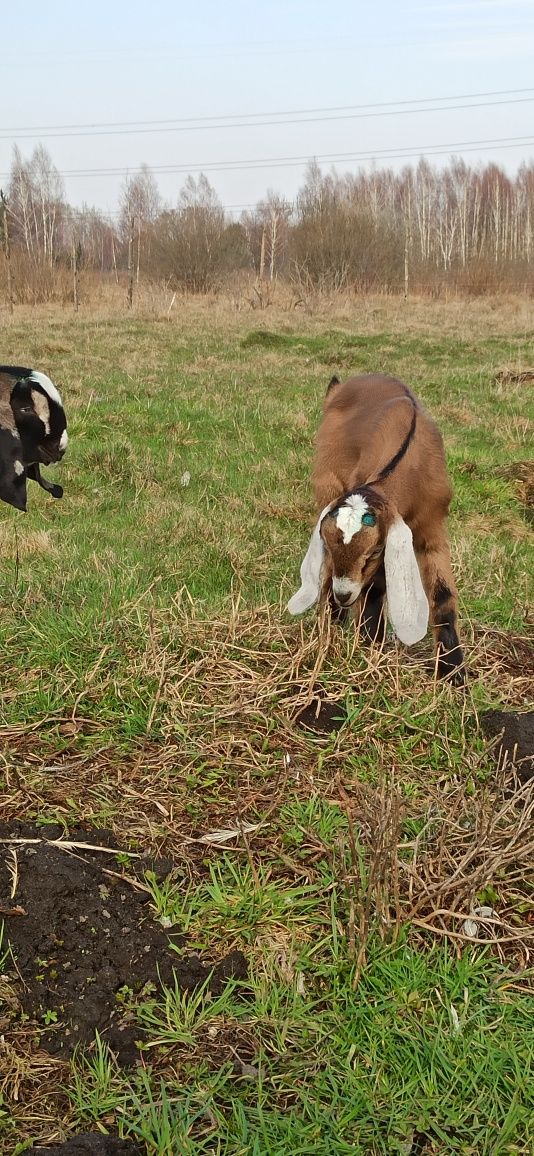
<point>140,199</point>
<point>37,200</point>
<point>267,231</point>
<point>191,238</point>
<point>469,227</point>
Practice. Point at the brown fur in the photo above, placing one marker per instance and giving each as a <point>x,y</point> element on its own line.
<point>365,422</point>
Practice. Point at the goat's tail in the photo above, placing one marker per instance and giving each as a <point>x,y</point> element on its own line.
<point>334,381</point>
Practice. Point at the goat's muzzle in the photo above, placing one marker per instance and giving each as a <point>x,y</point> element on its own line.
<point>345,599</point>
<point>47,455</point>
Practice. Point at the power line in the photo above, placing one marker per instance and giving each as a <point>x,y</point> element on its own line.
<point>403,153</point>
<point>287,117</point>
<point>199,51</point>
<point>73,214</point>
<point>279,112</point>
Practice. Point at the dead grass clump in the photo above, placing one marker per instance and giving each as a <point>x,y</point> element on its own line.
<point>505,662</point>
<point>253,676</point>
<point>467,849</point>
<point>15,543</point>
<point>522,475</point>
<point>515,377</point>
<point>226,697</point>
<point>478,842</point>
<point>34,1085</point>
<point>460,414</point>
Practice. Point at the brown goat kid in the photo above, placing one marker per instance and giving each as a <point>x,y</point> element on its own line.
<point>381,485</point>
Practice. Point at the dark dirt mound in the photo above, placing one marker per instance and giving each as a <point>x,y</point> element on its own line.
<point>92,1144</point>
<point>86,943</point>
<point>517,740</point>
<point>322,717</point>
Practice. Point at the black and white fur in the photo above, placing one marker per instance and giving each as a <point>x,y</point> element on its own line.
<point>33,432</point>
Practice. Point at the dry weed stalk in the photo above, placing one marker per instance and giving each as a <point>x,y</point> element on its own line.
<point>471,847</point>
<point>374,823</point>
<point>433,881</point>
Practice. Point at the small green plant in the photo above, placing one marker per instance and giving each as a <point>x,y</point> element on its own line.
<point>170,898</point>
<point>124,860</point>
<point>5,952</point>
<point>170,1123</point>
<point>50,1016</point>
<point>124,995</point>
<point>179,1017</point>
<point>97,1090</point>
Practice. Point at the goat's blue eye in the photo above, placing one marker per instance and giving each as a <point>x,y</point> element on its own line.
<point>368,520</point>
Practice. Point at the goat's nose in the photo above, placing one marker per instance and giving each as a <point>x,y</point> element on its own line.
<point>342,599</point>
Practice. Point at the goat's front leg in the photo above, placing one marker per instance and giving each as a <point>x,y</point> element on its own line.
<point>372,618</point>
<point>35,474</point>
<point>436,574</point>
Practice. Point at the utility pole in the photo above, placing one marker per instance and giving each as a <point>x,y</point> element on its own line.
<point>262,254</point>
<point>75,273</point>
<point>131,238</point>
<point>407,243</point>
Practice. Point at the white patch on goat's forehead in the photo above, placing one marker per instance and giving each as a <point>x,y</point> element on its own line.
<point>42,408</point>
<point>19,468</point>
<point>48,386</point>
<point>63,441</point>
<point>349,518</point>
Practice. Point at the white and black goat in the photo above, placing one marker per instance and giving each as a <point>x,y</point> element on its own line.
<point>33,432</point>
<point>381,485</point>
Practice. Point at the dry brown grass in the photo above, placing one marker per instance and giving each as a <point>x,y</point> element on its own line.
<point>426,831</point>
<point>465,318</point>
<point>18,543</point>
<point>229,697</point>
<point>522,475</point>
<point>34,1085</point>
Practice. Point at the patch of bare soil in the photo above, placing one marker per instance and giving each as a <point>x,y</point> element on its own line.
<point>85,942</point>
<point>321,715</point>
<point>515,734</point>
<point>92,1144</point>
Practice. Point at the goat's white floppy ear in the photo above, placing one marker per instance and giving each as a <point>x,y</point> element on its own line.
<point>310,570</point>
<point>407,602</point>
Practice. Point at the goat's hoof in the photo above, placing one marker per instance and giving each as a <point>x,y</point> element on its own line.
<point>451,665</point>
<point>456,675</point>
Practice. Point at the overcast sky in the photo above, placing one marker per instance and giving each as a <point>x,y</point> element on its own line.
<point>116,61</point>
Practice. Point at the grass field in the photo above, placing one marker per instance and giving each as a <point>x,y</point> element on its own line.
<point>150,679</point>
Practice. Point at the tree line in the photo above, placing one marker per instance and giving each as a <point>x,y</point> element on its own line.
<point>425,230</point>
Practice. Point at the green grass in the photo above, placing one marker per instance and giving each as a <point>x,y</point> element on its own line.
<point>425,1045</point>
<point>143,635</point>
